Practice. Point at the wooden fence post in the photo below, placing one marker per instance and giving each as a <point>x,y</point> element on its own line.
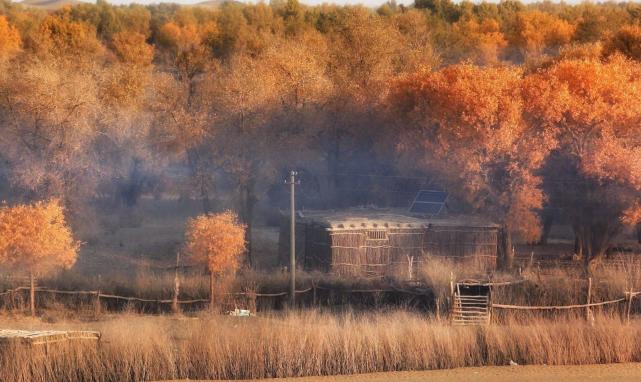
<point>12,299</point>
<point>629,306</point>
<point>589,296</point>
<point>251,301</point>
<point>314,301</point>
<point>97,306</point>
<point>175,307</point>
<point>32,294</point>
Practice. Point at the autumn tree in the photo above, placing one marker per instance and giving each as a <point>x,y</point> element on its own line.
<point>218,241</point>
<point>266,107</point>
<point>35,239</point>
<point>592,110</point>
<point>123,129</point>
<point>47,122</point>
<point>10,41</point>
<point>464,125</point>
<point>626,41</point>
<point>362,60</point>
<point>180,102</point>
<point>535,32</point>
<point>480,41</point>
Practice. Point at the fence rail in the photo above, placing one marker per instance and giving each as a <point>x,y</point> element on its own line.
<point>557,307</point>
<point>98,296</point>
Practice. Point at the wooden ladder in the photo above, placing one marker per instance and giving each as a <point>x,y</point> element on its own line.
<point>470,310</point>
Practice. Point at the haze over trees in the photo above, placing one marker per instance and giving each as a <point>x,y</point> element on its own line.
<point>515,109</point>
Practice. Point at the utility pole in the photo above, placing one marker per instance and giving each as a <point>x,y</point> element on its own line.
<point>292,238</point>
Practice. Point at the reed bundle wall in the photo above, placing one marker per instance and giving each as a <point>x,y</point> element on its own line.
<point>384,251</point>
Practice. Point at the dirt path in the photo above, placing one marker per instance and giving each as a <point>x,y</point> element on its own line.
<point>590,373</point>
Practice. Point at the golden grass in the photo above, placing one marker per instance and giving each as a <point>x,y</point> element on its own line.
<point>137,348</point>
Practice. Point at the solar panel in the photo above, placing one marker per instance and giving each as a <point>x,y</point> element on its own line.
<point>429,202</point>
<point>431,196</point>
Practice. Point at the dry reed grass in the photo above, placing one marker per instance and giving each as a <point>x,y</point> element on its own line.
<point>136,348</point>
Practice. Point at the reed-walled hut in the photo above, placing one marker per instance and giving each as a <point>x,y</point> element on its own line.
<point>373,242</point>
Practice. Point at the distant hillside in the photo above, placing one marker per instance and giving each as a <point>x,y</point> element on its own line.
<point>49,4</point>
<point>56,4</point>
<point>212,3</point>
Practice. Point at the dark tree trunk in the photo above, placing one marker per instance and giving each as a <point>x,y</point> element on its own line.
<point>204,195</point>
<point>594,241</point>
<point>639,233</point>
<point>578,247</point>
<point>212,290</point>
<point>248,203</point>
<point>132,187</point>
<point>505,253</point>
<point>32,294</point>
<point>548,219</point>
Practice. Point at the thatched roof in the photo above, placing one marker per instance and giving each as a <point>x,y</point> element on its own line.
<point>373,218</point>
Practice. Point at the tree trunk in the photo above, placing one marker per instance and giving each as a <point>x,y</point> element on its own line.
<point>247,215</point>
<point>578,246</point>
<point>204,195</point>
<point>175,307</point>
<point>32,294</point>
<point>547,227</point>
<point>131,189</point>
<point>594,241</point>
<point>505,253</point>
<point>639,233</point>
<point>212,289</point>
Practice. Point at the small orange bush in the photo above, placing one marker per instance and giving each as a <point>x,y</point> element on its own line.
<point>36,237</point>
<point>217,240</point>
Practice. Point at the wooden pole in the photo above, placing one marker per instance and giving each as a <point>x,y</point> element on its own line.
<point>12,299</point>
<point>314,298</point>
<point>589,296</point>
<point>292,239</point>
<point>437,302</point>
<point>175,307</point>
<point>32,294</point>
<point>211,291</point>
<point>97,306</point>
<point>451,291</point>
<point>629,307</point>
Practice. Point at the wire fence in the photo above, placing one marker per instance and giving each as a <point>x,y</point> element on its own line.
<point>102,300</point>
<point>99,298</point>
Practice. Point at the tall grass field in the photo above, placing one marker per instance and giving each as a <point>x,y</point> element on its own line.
<point>142,348</point>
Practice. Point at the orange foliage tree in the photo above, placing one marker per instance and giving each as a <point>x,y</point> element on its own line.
<point>36,238</point>
<point>535,32</point>
<point>217,240</point>
<point>627,41</point>
<point>482,41</point>
<point>592,109</point>
<point>466,128</point>
<point>10,41</point>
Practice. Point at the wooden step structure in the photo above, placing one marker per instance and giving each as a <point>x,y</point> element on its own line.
<point>470,307</point>
<point>45,337</point>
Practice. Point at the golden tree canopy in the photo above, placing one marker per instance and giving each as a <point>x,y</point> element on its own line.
<point>627,41</point>
<point>592,109</point>
<point>130,47</point>
<point>467,128</point>
<point>10,41</point>
<point>36,237</point>
<point>217,240</point>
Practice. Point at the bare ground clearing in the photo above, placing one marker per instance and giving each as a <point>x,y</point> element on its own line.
<point>622,372</point>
